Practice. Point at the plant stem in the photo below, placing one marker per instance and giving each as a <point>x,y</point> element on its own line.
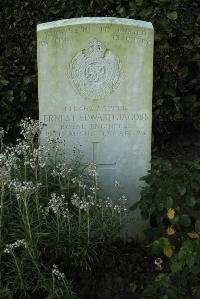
<point>67,289</point>
<point>58,228</point>
<point>27,220</point>
<point>46,178</point>
<point>88,226</point>
<point>96,188</point>
<point>69,227</point>
<point>25,172</point>
<point>36,196</point>
<point>79,210</point>
<point>33,258</point>
<point>1,226</point>
<point>18,271</point>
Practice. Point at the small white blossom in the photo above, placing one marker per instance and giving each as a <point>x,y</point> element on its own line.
<point>29,128</point>
<point>92,170</point>
<point>37,158</point>
<point>23,189</point>
<point>55,145</point>
<point>58,205</point>
<point>74,180</point>
<point>2,132</point>
<point>11,247</point>
<point>108,202</point>
<point>75,200</point>
<point>57,273</point>
<point>83,203</point>
<point>4,175</point>
<point>117,184</point>
<point>93,189</point>
<point>61,171</point>
<point>7,163</point>
<point>159,264</point>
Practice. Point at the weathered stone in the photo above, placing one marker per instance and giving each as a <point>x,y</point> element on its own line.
<point>95,90</point>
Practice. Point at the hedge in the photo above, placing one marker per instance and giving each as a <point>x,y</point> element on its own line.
<point>176,60</point>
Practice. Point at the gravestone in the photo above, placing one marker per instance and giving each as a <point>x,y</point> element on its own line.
<point>95,91</point>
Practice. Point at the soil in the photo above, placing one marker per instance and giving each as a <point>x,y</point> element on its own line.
<point>122,272</point>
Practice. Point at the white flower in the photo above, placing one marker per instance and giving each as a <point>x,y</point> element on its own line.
<point>11,247</point>
<point>2,132</point>
<point>7,163</point>
<point>37,158</point>
<point>92,170</point>
<point>108,202</point>
<point>93,189</point>
<point>29,128</point>
<point>83,203</point>
<point>23,189</point>
<point>74,180</point>
<point>58,204</point>
<point>61,171</point>
<point>57,273</point>
<point>75,199</point>
<point>4,175</point>
<point>117,184</point>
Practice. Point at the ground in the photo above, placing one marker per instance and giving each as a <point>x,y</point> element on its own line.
<point>122,272</point>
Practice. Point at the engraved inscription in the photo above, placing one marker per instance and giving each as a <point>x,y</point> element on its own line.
<point>95,71</point>
<point>66,35</point>
<point>79,121</point>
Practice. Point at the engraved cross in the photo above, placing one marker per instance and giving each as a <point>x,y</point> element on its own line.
<point>95,150</point>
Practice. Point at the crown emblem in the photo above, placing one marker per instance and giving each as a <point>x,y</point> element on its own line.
<point>95,49</point>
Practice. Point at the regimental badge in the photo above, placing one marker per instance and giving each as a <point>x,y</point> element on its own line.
<point>95,71</point>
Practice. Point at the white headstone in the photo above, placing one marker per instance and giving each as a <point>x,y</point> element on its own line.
<point>95,90</point>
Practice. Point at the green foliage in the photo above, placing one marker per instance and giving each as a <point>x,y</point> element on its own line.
<point>52,222</point>
<point>176,58</point>
<point>172,199</point>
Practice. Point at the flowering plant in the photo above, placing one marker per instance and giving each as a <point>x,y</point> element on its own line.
<point>52,220</point>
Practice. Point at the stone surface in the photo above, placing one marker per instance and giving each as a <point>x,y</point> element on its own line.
<point>95,90</point>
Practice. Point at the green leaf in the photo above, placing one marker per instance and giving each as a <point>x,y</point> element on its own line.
<point>175,220</point>
<point>139,2</point>
<point>188,46</point>
<point>4,82</point>
<point>163,297</point>
<point>172,15</point>
<point>160,102</point>
<point>183,72</point>
<point>191,201</point>
<point>181,189</point>
<point>197,40</point>
<point>195,269</point>
<point>185,220</point>
<point>176,266</point>
<point>168,202</point>
<point>122,12</point>
<point>197,225</point>
<point>164,242</point>
<point>54,11</point>
<point>146,12</point>
<point>170,91</point>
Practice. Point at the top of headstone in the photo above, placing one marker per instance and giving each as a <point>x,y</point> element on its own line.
<point>94,20</point>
